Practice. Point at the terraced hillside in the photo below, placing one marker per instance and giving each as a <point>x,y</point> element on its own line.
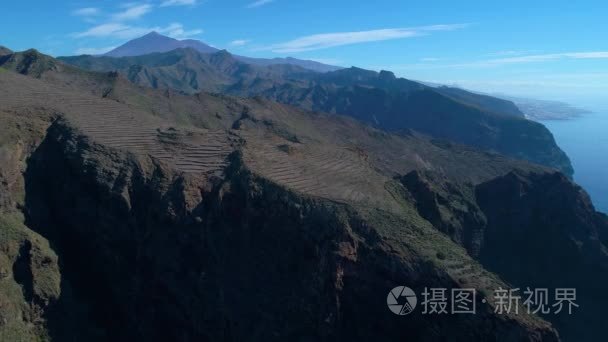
<point>339,174</point>
<point>118,126</point>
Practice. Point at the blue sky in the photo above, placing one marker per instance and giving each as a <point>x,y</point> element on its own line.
<point>548,49</point>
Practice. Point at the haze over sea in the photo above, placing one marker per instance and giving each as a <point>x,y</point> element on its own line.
<point>585,140</point>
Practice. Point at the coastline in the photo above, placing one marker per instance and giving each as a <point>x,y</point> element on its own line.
<point>543,110</point>
<point>583,138</point>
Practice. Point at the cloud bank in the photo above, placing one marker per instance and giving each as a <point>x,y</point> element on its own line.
<point>328,40</point>
<point>178,3</point>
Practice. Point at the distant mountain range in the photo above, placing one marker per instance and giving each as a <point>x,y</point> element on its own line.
<point>155,42</point>
<point>380,99</point>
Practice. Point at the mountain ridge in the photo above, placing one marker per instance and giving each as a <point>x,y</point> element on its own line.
<point>154,42</point>
<point>5,51</point>
<point>377,98</point>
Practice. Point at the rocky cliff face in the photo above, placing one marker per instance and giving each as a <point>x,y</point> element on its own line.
<point>450,207</point>
<point>535,230</point>
<point>30,275</point>
<point>148,253</point>
<point>548,219</point>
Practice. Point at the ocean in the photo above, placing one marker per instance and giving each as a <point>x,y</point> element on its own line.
<point>585,140</point>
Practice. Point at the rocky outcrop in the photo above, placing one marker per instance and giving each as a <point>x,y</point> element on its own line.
<point>449,207</point>
<point>29,281</point>
<point>548,219</point>
<point>32,289</point>
<point>30,62</point>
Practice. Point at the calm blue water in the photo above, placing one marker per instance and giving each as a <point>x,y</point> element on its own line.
<point>585,140</point>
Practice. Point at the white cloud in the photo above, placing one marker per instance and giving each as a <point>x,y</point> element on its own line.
<point>498,62</point>
<point>430,59</point>
<point>259,3</point>
<point>329,61</point>
<point>132,11</point>
<point>327,40</point>
<point>86,12</point>
<point>94,51</point>
<point>508,53</point>
<point>123,31</point>
<point>588,55</point>
<point>117,28</point>
<point>239,42</point>
<point>178,3</point>
<point>105,30</point>
<point>523,59</point>
<point>176,30</point>
<point>542,58</point>
<point>525,87</point>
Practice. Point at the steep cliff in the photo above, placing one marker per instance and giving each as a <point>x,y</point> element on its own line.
<point>33,292</point>
<point>156,254</point>
<point>537,230</point>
